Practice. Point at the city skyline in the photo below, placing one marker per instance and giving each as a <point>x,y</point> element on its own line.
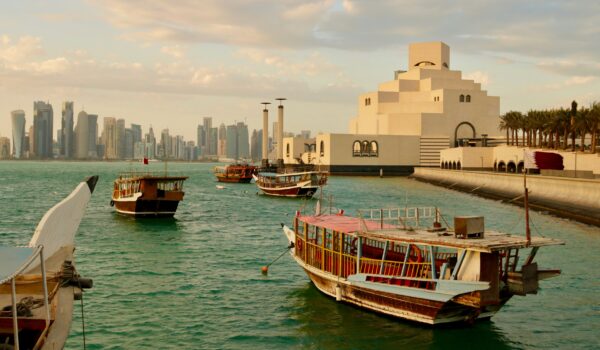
<point>182,62</point>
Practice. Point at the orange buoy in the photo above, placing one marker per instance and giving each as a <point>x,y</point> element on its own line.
<point>264,270</point>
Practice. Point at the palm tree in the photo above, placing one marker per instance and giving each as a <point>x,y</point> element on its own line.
<point>573,127</point>
<point>510,122</point>
<point>581,126</point>
<point>505,125</point>
<point>594,117</point>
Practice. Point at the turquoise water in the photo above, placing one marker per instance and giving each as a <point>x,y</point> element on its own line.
<point>195,283</point>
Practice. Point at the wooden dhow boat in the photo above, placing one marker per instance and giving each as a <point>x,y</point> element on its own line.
<point>291,184</point>
<point>383,261</point>
<point>235,173</point>
<point>38,283</point>
<point>147,194</point>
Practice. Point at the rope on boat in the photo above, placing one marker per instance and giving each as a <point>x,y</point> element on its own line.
<point>265,269</point>
<point>82,316</point>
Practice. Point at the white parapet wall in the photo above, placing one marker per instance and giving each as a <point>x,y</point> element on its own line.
<point>582,193</point>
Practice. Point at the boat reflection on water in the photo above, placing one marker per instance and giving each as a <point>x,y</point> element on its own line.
<point>327,325</point>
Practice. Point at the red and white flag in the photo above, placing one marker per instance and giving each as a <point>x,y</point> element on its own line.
<point>543,160</point>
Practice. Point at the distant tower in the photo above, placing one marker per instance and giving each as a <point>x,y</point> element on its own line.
<point>280,132</point>
<point>66,131</point>
<point>18,132</point>
<point>265,135</point>
<point>43,117</point>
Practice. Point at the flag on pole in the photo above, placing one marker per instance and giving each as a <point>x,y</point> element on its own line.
<point>543,160</point>
<point>145,161</point>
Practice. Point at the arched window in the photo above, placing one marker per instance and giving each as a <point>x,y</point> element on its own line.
<point>322,148</point>
<point>501,166</point>
<point>366,148</point>
<point>374,149</point>
<point>453,165</point>
<point>468,99</point>
<point>458,166</point>
<point>356,149</point>
<point>462,98</point>
<point>287,150</point>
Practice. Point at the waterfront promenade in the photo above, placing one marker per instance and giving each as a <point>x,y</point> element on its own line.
<point>573,198</point>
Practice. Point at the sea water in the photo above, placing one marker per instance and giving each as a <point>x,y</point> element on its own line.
<point>195,282</point>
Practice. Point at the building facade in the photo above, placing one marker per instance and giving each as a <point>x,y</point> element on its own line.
<point>43,118</point>
<point>407,121</point>
<point>66,131</point>
<point>18,133</point>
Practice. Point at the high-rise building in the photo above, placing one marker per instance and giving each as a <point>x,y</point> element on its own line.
<point>222,143</point>
<point>4,148</point>
<point>200,138</point>
<point>86,133</point>
<point>18,133</point>
<point>43,117</point>
<point>109,138</point>
<point>150,144</point>
<point>207,123</point>
<point>243,145</point>
<point>120,138</point>
<point>256,145</point>
<point>214,141</point>
<point>231,147</point>
<point>128,144</point>
<point>137,132</point>
<point>66,130</point>
<point>164,148</point>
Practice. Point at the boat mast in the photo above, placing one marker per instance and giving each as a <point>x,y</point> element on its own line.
<point>527,230</point>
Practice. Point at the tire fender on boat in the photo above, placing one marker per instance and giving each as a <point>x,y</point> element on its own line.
<point>112,203</point>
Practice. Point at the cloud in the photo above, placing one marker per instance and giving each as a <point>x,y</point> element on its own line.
<point>176,51</point>
<point>571,67</point>
<point>537,31</point>
<point>25,47</point>
<point>479,77</point>
<point>78,69</point>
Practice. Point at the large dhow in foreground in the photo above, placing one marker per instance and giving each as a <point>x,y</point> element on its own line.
<point>38,283</point>
<point>292,183</point>
<point>382,261</point>
<point>147,194</point>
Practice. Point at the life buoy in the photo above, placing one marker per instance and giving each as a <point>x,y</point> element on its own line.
<point>417,253</point>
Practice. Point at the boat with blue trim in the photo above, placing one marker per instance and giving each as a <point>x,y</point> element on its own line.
<point>403,262</point>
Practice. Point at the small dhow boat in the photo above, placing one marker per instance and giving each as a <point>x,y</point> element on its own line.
<point>291,184</point>
<point>38,283</point>
<point>237,173</point>
<point>147,194</point>
<point>383,261</point>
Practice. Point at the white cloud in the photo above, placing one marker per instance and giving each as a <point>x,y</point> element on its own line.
<point>24,48</point>
<point>577,80</point>
<point>176,51</point>
<point>479,77</point>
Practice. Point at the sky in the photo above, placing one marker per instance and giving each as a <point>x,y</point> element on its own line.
<point>170,63</point>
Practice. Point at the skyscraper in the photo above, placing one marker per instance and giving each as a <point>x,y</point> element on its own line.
<point>242,141</point>
<point>207,123</point>
<point>18,133</point>
<point>86,134</point>
<point>109,138</point>
<point>222,143</point>
<point>120,138</point>
<point>43,117</point>
<point>66,130</point>
<point>4,148</point>
<point>231,147</point>
<point>201,138</point>
<point>256,145</point>
<point>137,132</point>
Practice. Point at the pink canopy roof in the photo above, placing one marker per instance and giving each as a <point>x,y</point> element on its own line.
<point>341,223</point>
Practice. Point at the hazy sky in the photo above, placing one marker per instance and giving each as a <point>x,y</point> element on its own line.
<point>170,63</point>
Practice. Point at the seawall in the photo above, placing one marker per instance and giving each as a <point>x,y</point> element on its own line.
<point>577,199</point>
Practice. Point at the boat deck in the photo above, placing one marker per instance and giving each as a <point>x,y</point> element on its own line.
<point>492,240</point>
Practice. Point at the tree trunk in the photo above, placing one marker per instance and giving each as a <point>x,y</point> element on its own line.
<point>582,148</point>
<point>507,140</point>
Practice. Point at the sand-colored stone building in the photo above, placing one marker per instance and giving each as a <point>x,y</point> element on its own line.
<point>407,121</point>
